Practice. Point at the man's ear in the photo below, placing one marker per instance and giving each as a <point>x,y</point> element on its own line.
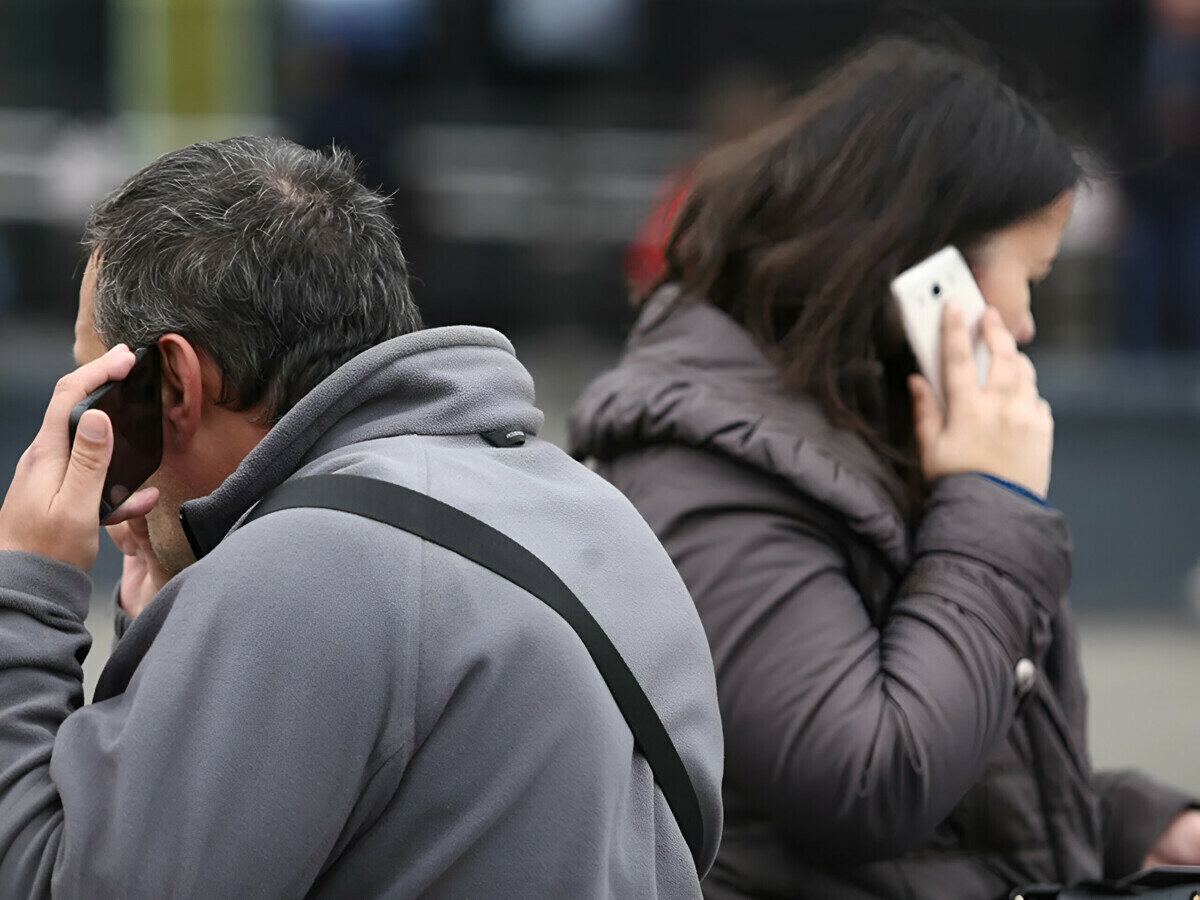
<point>186,379</point>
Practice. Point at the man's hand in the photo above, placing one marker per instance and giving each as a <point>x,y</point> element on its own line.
<point>142,576</point>
<point>1179,844</point>
<point>53,504</point>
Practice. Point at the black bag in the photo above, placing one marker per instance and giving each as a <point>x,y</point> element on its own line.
<point>1160,883</point>
<point>455,530</point>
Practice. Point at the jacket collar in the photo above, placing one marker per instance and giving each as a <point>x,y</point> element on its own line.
<point>440,381</point>
<point>692,375</point>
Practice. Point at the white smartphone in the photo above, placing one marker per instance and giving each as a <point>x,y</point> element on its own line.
<point>921,293</point>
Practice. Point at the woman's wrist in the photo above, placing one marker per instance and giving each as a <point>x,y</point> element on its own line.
<point>1014,487</point>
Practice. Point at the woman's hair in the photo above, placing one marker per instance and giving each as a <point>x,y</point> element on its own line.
<point>797,230</point>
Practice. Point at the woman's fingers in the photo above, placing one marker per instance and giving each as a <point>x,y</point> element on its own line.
<point>958,362</point>
<point>1003,429</point>
<point>928,420</point>
<point>1011,371</point>
<point>999,339</point>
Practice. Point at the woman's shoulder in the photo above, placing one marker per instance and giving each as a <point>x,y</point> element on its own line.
<point>700,479</point>
<point>692,375</point>
<point>722,520</point>
<point>685,405</point>
<point>673,484</point>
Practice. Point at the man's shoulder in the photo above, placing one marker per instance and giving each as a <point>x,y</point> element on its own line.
<point>572,520</point>
<point>304,581</point>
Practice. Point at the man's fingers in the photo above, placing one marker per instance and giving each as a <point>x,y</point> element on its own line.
<point>112,366</point>
<point>958,363</point>
<point>121,537</point>
<point>83,484</point>
<point>138,526</point>
<point>130,512</point>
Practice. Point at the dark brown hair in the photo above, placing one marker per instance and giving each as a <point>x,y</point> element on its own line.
<point>272,258</point>
<point>797,230</point>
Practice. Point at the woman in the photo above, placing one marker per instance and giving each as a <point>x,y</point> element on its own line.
<point>883,587</point>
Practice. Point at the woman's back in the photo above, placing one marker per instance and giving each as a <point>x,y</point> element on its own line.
<point>880,578</point>
<point>903,709</point>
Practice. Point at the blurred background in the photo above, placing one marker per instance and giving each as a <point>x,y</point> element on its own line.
<point>534,149</point>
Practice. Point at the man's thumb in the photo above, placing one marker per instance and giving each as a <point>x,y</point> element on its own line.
<point>84,481</point>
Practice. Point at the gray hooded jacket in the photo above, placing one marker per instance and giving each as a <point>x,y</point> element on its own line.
<point>903,709</point>
<point>323,705</point>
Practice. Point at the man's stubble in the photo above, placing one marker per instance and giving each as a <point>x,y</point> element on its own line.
<point>167,539</point>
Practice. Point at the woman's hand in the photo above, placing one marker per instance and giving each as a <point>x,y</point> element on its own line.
<point>1003,429</point>
<point>1179,844</point>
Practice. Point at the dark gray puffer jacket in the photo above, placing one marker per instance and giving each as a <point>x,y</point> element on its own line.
<point>903,708</point>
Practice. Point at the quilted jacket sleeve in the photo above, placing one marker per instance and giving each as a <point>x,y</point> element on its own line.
<point>1136,810</point>
<point>858,739</point>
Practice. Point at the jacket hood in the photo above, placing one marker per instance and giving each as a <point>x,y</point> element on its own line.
<point>691,375</point>
<point>440,381</point>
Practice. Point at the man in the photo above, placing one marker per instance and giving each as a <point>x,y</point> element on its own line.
<point>315,703</point>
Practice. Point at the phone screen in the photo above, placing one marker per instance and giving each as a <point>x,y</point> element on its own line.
<point>134,406</point>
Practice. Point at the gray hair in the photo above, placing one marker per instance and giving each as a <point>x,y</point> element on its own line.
<point>271,258</point>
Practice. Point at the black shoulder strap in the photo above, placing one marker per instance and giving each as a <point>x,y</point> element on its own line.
<point>465,535</point>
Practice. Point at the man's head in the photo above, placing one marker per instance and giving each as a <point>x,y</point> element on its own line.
<point>257,267</point>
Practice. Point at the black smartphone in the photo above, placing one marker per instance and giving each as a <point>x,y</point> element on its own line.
<point>134,406</point>
<point>1162,877</point>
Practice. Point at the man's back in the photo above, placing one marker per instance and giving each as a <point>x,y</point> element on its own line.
<point>325,704</point>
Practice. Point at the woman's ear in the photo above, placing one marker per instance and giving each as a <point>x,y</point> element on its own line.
<point>978,253</point>
<point>183,389</point>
